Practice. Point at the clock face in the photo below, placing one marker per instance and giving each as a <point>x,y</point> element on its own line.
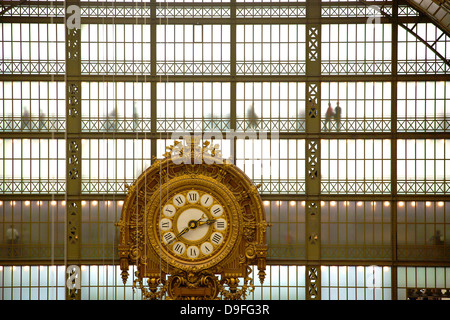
<point>193,225</point>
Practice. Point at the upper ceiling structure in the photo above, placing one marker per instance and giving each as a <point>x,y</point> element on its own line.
<point>437,10</point>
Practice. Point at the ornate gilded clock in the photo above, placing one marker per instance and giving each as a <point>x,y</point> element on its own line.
<point>192,224</point>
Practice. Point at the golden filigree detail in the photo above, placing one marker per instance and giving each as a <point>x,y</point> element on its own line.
<point>156,288</point>
<point>191,285</point>
<point>231,290</point>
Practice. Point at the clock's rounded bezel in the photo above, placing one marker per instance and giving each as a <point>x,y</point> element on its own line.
<point>203,184</point>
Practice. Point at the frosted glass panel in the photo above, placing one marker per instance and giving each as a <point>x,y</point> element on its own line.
<point>350,282</point>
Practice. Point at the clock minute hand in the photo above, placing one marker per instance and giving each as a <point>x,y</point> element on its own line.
<point>208,222</point>
<point>191,225</point>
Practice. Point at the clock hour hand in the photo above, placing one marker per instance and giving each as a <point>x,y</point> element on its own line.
<point>179,235</point>
<point>191,225</point>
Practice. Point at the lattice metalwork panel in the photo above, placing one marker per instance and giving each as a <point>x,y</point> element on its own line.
<point>421,166</point>
<point>32,48</point>
<point>363,106</point>
<point>353,11</point>
<point>193,106</point>
<point>270,106</point>
<point>115,107</point>
<point>109,164</point>
<point>193,49</point>
<point>32,10</point>
<point>356,49</point>
<point>407,11</point>
<point>164,11</point>
<point>313,283</point>
<point>32,166</point>
<point>116,11</point>
<point>271,12</point>
<point>356,166</point>
<point>32,106</point>
<point>423,106</point>
<point>414,57</point>
<point>270,49</point>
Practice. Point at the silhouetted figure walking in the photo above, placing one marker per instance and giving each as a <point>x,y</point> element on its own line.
<point>252,117</point>
<point>112,120</point>
<point>337,116</point>
<point>437,239</point>
<point>26,119</point>
<point>12,238</point>
<point>328,115</point>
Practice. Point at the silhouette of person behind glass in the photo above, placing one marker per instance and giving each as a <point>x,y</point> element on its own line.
<point>26,119</point>
<point>337,116</point>
<point>328,114</point>
<point>437,239</point>
<point>112,120</point>
<point>12,238</point>
<point>252,117</point>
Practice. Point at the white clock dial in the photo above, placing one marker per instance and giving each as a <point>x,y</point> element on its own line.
<point>193,225</point>
<point>192,214</point>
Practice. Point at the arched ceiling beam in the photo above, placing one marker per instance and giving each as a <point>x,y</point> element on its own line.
<point>411,31</point>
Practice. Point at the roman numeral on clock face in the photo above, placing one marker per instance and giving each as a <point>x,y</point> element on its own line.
<point>216,210</point>
<point>216,238</point>
<point>206,248</point>
<point>179,200</point>
<point>193,252</point>
<point>193,196</point>
<point>179,248</point>
<point>165,224</point>
<point>169,210</point>
<point>206,200</point>
<point>221,224</point>
<point>168,237</point>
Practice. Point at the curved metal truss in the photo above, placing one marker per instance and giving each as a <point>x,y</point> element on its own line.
<point>437,10</point>
<point>429,45</point>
